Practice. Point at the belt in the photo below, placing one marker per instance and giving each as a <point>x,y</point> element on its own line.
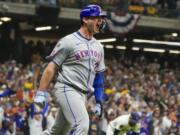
<point>78,89</point>
<point>83,91</point>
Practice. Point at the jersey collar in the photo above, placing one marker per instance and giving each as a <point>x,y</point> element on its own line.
<point>80,35</point>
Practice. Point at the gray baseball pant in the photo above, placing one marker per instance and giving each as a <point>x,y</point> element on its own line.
<point>72,114</point>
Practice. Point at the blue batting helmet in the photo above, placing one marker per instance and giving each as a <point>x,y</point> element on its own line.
<point>135,117</point>
<point>92,11</point>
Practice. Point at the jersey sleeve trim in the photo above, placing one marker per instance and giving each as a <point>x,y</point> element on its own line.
<point>55,63</point>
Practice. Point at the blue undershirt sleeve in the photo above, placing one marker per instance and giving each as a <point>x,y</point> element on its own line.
<point>98,87</point>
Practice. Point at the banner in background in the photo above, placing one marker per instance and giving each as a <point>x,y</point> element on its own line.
<point>121,23</point>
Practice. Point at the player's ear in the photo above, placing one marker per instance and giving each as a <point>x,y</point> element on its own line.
<point>85,19</point>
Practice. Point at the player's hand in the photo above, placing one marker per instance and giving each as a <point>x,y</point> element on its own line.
<point>98,109</point>
<point>40,99</point>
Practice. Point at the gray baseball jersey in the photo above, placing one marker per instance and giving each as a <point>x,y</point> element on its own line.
<point>79,60</point>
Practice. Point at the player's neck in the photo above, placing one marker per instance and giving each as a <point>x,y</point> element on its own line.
<point>85,33</point>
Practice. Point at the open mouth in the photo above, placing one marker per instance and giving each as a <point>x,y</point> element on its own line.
<point>101,26</point>
<point>98,26</point>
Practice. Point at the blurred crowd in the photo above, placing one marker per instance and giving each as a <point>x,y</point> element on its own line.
<point>164,8</point>
<point>140,85</point>
<point>17,86</point>
<point>147,87</point>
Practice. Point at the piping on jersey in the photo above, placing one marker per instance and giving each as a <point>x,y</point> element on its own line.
<point>67,100</point>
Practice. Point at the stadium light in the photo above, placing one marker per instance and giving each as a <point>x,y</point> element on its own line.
<point>109,46</point>
<point>154,50</point>
<point>107,40</point>
<point>43,28</point>
<point>57,27</point>
<point>156,42</point>
<point>1,22</point>
<point>121,47</point>
<point>174,52</point>
<point>5,19</point>
<point>174,34</point>
<point>135,48</point>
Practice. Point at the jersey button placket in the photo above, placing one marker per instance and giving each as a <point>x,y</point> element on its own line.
<point>89,75</point>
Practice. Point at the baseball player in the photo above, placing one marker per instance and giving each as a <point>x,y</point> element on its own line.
<point>127,124</point>
<point>78,58</point>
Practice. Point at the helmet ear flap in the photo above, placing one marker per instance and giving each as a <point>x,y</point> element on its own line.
<point>102,26</point>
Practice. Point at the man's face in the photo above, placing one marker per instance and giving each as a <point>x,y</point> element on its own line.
<point>94,24</point>
<point>37,117</point>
